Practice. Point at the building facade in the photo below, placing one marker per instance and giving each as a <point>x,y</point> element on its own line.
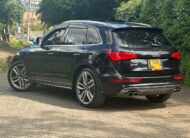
<point>31,5</point>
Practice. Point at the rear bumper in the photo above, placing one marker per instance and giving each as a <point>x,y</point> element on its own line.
<point>150,90</point>
<point>148,86</point>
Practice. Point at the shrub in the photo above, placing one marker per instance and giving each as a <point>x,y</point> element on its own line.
<point>4,46</point>
<point>185,66</point>
<point>173,16</point>
<point>19,43</point>
<point>3,65</point>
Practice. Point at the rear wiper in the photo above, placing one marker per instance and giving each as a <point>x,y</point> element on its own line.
<point>156,45</point>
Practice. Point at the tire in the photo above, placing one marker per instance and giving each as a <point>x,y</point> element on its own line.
<point>88,89</point>
<point>158,98</point>
<point>17,78</point>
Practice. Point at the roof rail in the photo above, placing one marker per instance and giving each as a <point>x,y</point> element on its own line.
<point>140,24</point>
<point>101,20</point>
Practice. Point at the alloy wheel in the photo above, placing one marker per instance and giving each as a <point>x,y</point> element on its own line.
<point>85,88</point>
<point>18,77</point>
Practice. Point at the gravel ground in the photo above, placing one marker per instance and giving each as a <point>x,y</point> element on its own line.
<point>50,112</point>
<point>4,55</point>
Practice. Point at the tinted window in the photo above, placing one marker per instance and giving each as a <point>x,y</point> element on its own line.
<point>141,38</point>
<point>56,38</point>
<point>93,36</point>
<point>76,36</point>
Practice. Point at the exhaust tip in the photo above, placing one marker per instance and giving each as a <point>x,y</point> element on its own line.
<point>177,89</point>
<point>130,94</point>
<point>136,93</point>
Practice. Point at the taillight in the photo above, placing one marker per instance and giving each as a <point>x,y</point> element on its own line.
<point>127,80</point>
<point>176,55</point>
<point>178,78</point>
<point>120,56</point>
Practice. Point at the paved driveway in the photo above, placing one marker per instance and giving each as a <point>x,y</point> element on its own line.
<point>51,112</point>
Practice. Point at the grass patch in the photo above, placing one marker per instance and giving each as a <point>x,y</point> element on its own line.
<point>4,46</point>
<point>4,61</point>
<point>4,65</point>
<point>11,47</point>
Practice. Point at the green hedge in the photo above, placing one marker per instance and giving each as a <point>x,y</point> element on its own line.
<point>19,43</point>
<point>185,66</point>
<point>173,16</point>
<point>4,46</point>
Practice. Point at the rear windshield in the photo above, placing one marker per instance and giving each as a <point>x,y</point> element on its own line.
<point>140,38</point>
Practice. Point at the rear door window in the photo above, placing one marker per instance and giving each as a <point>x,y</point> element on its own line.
<point>93,36</point>
<point>137,38</point>
<point>76,36</point>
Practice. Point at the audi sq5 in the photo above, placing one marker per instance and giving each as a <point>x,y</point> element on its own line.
<point>99,59</point>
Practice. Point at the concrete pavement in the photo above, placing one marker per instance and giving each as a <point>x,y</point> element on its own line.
<point>51,112</point>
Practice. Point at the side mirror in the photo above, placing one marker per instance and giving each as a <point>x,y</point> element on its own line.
<point>31,39</point>
<point>43,45</point>
<point>38,41</point>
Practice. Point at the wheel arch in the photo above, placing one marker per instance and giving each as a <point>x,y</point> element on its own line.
<point>16,59</point>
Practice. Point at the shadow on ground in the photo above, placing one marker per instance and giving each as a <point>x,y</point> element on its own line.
<point>67,99</point>
<point>112,120</point>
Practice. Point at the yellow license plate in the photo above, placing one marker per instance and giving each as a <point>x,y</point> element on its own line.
<point>155,64</point>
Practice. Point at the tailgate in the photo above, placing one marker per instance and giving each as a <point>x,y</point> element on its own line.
<point>152,53</point>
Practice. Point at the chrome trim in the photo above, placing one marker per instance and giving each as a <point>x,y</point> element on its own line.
<point>163,84</point>
<point>156,77</point>
<point>80,45</point>
<point>49,83</point>
<point>54,85</point>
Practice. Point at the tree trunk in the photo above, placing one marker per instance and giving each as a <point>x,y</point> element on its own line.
<point>3,35</point>
<point>7,33</point>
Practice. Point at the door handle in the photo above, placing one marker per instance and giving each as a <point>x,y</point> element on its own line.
<point>76,54</point>
<point>50,53</point>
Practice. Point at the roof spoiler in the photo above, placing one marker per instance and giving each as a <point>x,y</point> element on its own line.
<point>139,24</point>
<point>138,28</point>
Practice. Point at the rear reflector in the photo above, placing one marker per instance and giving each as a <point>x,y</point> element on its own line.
<point>120,56</point>
<point>127,80</point>
<point>178,78</point>
<point>176,55</point>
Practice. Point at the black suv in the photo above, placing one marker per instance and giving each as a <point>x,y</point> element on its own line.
<point>100,59</point>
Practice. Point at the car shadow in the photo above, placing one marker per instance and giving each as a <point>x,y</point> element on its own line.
<point>67,99</point>
<point>72,122</point>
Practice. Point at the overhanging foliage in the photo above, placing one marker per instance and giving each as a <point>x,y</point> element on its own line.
<point>171,15</point>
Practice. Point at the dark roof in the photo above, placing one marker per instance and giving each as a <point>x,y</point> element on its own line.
<point>108,24</point>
